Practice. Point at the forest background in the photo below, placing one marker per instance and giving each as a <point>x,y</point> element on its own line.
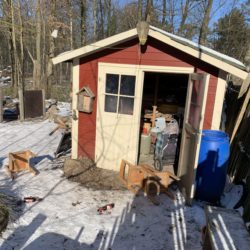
<point>32,32</point>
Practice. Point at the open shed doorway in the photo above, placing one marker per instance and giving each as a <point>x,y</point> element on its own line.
<point>160,131</point>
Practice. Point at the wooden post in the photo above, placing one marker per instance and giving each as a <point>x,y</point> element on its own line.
<point>1,104</point>
<point>44,106</point>
<point>156,89</point>
<point>154,116</point>
<point>21,104</point>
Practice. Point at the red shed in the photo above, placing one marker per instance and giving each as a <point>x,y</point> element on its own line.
<point>183,79</point>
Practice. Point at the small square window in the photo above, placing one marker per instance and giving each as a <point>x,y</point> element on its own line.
<point>110,103</point>
<point>127,85</point>
<point>112,83</point>
<point>126,105</point>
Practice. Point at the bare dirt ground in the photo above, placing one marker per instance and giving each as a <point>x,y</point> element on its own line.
<point>88,175</point>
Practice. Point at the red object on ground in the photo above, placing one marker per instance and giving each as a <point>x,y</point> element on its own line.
<point>106,209</point>
<point>31,199</point>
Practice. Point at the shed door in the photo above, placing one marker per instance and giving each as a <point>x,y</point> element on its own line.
<point>118,116</point>
<point>191,134</point>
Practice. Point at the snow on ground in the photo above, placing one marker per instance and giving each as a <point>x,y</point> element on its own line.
<point>54,223</point>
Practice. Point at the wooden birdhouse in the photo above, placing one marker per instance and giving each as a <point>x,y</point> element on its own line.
<point>85,100</point>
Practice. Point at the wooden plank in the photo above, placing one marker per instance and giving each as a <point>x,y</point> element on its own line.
<point>244,86</point>
<point>240,116</point>
<point>225,229</point>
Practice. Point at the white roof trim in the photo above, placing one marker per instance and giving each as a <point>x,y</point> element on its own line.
<point>94,47</point>
<point>201,48</point>
<point>219,60</point>
<point>219,63</point>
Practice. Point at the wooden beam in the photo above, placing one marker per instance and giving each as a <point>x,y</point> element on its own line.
<point>244,86</point>
<point>240,116</point>
<point>1,104</point>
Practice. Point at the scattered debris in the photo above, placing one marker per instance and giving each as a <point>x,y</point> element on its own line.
<point>20,161</point>
<point>63,122</point>
<point>76,203</point>
<point>30,199</point>
<point>145,177</point>
<point>64,146</point>
<point>10,108</point>
<point>106,209</point>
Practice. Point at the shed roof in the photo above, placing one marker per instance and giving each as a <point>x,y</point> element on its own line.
<point>217,59</point>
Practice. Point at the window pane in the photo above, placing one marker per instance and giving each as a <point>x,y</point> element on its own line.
<point>112,83</point>
<point>127,85</point>
<point>126,105</point>
<point>110,103</point>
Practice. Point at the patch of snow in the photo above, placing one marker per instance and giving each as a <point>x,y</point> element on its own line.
<point>55,223</point>
<point>230,198</point>
<point>64,108</point>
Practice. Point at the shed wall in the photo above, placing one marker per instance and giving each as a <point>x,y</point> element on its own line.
<point>156,54</point>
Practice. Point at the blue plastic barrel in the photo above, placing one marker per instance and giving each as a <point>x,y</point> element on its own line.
<point>212,165</point>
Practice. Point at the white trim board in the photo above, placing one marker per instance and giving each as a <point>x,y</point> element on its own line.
<point>150,68</point>
<point>219,99</point>
<point>75,90</point>
<point>98,46</point>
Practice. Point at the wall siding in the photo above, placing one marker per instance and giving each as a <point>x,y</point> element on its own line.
<point>156,54</point>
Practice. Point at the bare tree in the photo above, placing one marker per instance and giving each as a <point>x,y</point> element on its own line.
<point>37,62</point>
<point>149,11</point>
<point>184,14</point>
<point>205,22</point>
<point>95,20</point>
<point>139,10</point>
<point>164,13</point>
<point>83,8</point>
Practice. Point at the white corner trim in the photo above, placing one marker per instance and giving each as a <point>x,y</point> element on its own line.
<point>75,89</point>
<point>219,99</point>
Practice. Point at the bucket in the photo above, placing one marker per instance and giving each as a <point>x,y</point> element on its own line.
<point>212,165</point>
<point>145,144</point>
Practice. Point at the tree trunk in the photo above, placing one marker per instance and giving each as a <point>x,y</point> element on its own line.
<point>37,65</point>
<point>102,18</point>
<point>148,13</point>
<point>205,23</point>
<point>183,16</point>
<point>95,19</point>
<point>21,66</point>
<point>171,16</point>
<point>83,7</point>
<point>7,16</point>
<point>14,56</point>
<point>164,14</point>
<point>108,8</point>
<point>71,24</point>
<point>51,49</point>
<point>139,10</point>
